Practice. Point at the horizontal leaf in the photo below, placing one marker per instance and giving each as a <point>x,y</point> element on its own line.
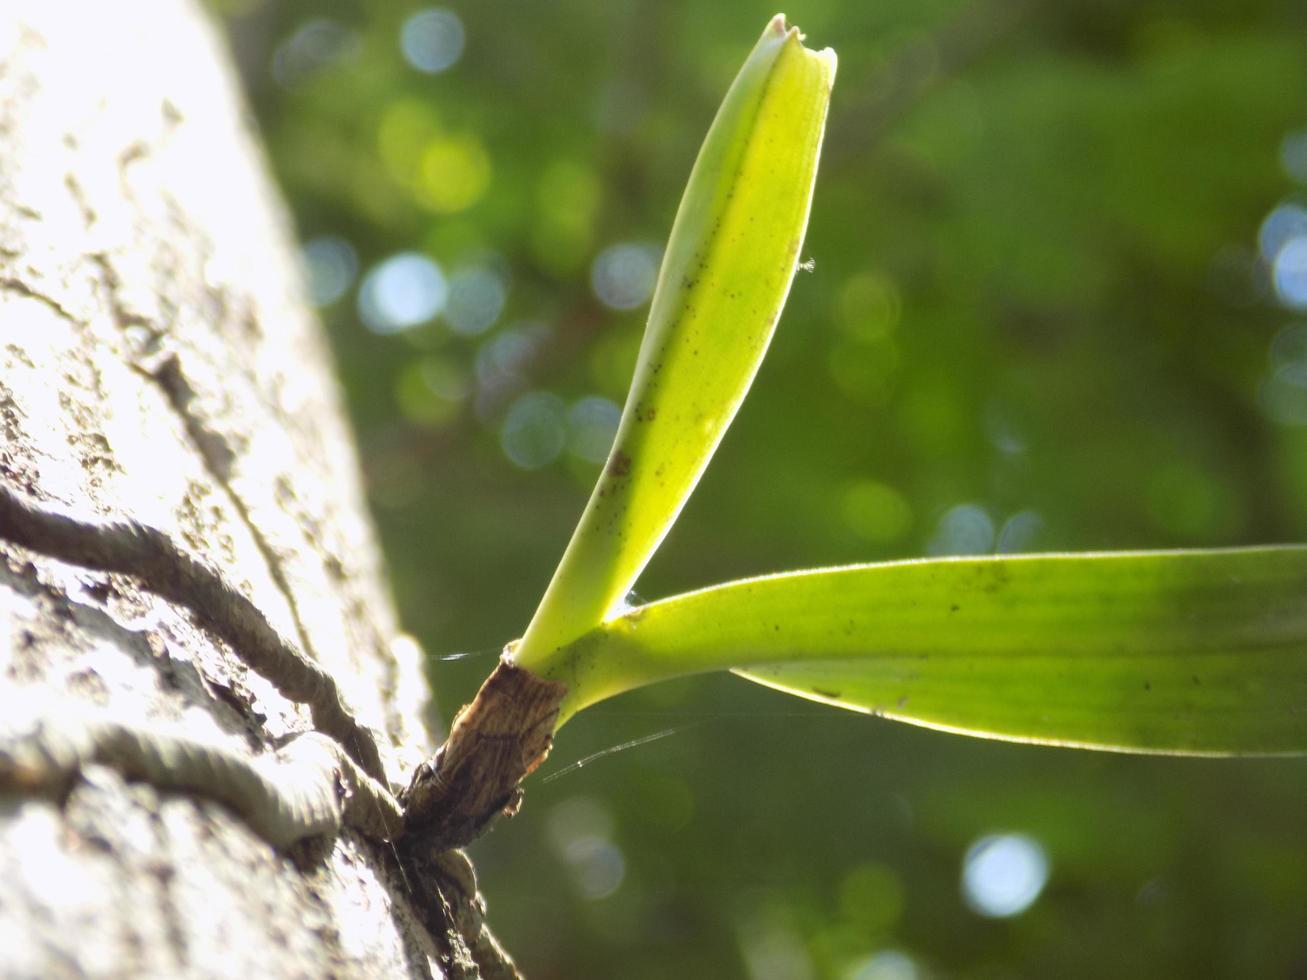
<point>1187,652</point>
<point>724,278</point>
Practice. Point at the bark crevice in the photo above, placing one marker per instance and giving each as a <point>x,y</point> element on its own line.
<point>15,285</point>
<point>212,448</point>
<point>147,554</point>
<point>218,458</point>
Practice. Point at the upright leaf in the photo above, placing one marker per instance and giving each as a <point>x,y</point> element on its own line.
<point>725,275</point>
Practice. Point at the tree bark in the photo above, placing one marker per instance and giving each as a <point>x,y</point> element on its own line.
<point>188,577</point>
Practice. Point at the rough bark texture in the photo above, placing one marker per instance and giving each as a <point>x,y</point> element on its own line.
<point>161,379</point>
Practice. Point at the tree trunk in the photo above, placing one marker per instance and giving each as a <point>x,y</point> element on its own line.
<point>187,574</point>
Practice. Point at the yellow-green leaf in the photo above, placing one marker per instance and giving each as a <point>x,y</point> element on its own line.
<point>725,275</point>
<point>1186,652</point>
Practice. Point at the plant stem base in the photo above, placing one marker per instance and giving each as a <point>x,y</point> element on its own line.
<point>494,743</point>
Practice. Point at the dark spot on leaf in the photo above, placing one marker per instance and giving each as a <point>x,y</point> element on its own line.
<point>1148,685</point>
<point>619,465</point>
<point>954,608</point>
<point>822,692</point>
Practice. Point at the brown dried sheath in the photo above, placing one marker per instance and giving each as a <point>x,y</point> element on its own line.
<point>494,743</point>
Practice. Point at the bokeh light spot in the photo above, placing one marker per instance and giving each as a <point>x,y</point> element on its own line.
<point>581,831</point>
<point>453,174</point>
<point>591,426</point>
<point>1289,345</point>
<point>403,291</point>
<point>576,817</point>
<point>315,45</point>
<point>964,530</point>
<point>623,275</point>
<point>1020,532</point>
<point>330,265</point>
<point>1290,273</point>
<point>432,40</point>
<point>430,391</point>
<point>597,865</point>
<point>476,300</point>
<point>1002,431</point>
<point>1288,221</point>
<point>534,430</point>
<point>1283,396</point>
<point>1293,156</point>
<point>870,306</point>
<point>876,512</point>
<point>501,360</point>
<point>1003,874</point>
<point>772,947</point>
<point>502,364</point>
<point>888,964</point>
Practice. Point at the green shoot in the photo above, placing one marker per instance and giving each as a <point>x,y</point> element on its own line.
<point>731,257</point>
<point>1184,652</point>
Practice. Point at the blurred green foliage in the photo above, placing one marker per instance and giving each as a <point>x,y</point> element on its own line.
<point>1059,302</point>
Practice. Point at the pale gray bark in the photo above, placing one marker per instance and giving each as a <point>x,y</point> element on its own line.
<point>164,392</point>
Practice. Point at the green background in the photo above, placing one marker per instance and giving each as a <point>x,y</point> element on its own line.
<point>1044,315</point>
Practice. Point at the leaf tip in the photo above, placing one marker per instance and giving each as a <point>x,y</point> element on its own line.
<point>825,57</point>
<point>829,61</point>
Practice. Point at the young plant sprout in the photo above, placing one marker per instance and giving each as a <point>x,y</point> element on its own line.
<point>1182,652</point>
